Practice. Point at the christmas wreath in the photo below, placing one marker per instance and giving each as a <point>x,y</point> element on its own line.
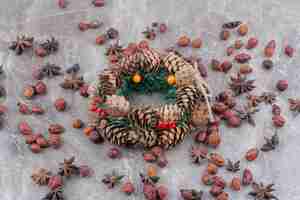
<point>144,70</point>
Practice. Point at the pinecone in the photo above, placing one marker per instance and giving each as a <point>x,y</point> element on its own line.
<point>169,112</point>
<point>118,104</point>
<point>187,96</point>
<point>185,76</point>
<point>168,138</point>
<point>174,62</point>
<point>149,59</point>
<point>147,138</point>
<point>200,115</point>
<point>143,117</point>
<point>108,82</point>
<point>120,134</point>
<point>130,63</point>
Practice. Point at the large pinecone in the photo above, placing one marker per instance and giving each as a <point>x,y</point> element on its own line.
<point>170,137</point>
<point>130,63</point>
<point>169,112</point>
<point>174,62</point>
<point>187,96</point>
<point>147,137</point>
<point>149,60</point>
<point>143,117</point>
<point>120,135</point>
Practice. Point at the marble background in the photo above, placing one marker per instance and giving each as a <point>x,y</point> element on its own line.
<point>267,19</point>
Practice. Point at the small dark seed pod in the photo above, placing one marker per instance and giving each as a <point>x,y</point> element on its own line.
<point>231,25</point>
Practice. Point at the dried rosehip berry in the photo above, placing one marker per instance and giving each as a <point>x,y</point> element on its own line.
<point>149,157</point>
<point>278,121</point>
<point>150,192</point>
<point>83,25</point>
<point>157,151</point>
<point>215,190</point>
<point>40,88</point>
<point>162,161</point>
<point>196,43</point>
<point>211,168</point>
<point>28,92</point>
<point>247,177</point>
<point>289,51</point>
<point>276,110</point>
<point>234,122</point>
<point>201,137</point>
<point>217,159</point>
<point>37,110</point>
<point>55,182</point>
<point>83,90</point>
<point>252,154</point>
<point>42,142</point>
<point>243,29</point>
<point>60,104</point>
<point>24,128</point>
<point>214,139</point>
<point>223,196</point>
<point>101,39</point>
<point>98,3</point>
<point>35,148</point>
<point>219,181</point>
<point>282,85</point>
<point>219,107</point>
<point>30,139</point>
<point>252,43</point>
<point>62,3</point>
<point>270,48</point>
<point>128,188</point>
<point>242,57</point>
<point>162,192</point>
<point>206,179</point>
<point>183,41</point>
<point>235,184</point>
<point>162,28</point>
<point>228,114</point>
<point>3,109</point>
<point>224,35</point>
<point>55,140</point>
<point>226,66</point>
<point>114,153</point>
<point>85,171</point>
<point>77,123</point>
<point>55,129</point>
<point>238,44</point>
<point>267,64</point>
<point>40,52</point>
<point>215,65</point>
<point>23,108</point>
<point>152,171</point>
<point>229,50</point>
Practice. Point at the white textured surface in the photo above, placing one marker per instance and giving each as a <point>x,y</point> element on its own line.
<point>275,19</point>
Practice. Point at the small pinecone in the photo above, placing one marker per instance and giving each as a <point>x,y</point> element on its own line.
<point>147,137</point>
<point>120,135</point>
<point>187,96</point>
<point>174,62</point>
<point>118,103</point>
<point>130,63</point>
<point>169,112</point>
<point>149,59</point>
<point>108,82</point>
<point>170,137</point>
<point>200,116</point>
<point>186,76</point>
<point>143,117</point>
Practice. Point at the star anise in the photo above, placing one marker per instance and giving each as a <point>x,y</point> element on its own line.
<point>198,154</point>
<point>112,179</point>
<point>50,45</point>
<point>271,143</point>
<point>294,105</point>
<point>240,84</point>
<point>254,100</point>
<point>67,168</point>
<point>233,166</point>
<point>262,192</point>
<point>247,114</point>
<point>268,97</point>
<point>191,194</point>
<point>41,176</point>
<point>49,70</point>
<point>149,179</point>
<point>56,194</point>
<point>72,82</point>
<point>22,43</point>
<point>114,49</point>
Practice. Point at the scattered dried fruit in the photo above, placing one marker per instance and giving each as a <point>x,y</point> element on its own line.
<point>270,48</point>
<point>252,43</point>
<point>247,177</point>
<point>60,104</point>
<point>282,85</point>
<point>183,41</point>
<point>235,184</point>
<point>224,35</point>
<point>267,64</point>
<point>252,154</point>
<point>278,121</point>
<point>196,43</point>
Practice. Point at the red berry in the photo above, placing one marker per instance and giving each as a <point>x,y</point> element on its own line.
<point>201,137</point>
<point>278,121</point>
<point>215,190</point>
<point>42,142</point>
<point>83,91</point>
<point>242,57</point>
<point>229,51</point>
<point>226,66</point>
<point>234,121</point>
<point>150,192</point>
<point>149,157</point>
<point>247,177</point>
<point>60,104</point>
<point>162,28</point>
<point>40,87</point>
<point>37,110</point>
<point>24,128</point>
<point>55,182</point>
<point>252,43</point>
<point>101,39</point>
<point>62,3</point>
<point>41,52</point>
<point>162,192</point>
<point>289,51</point>
<point>85,171</point>
<point>35,148</point>
<point>98,3</point>
<point>162,161</point>
<point>282,85</point>
<point>114,153</point>
<point>23,108</point>
<point>83,25</point>
<point>157,151</point>
<point>252,154</point>
<point>3,109</point>
<point>54,140</point>
<point>30,139</point>
<point>128,188</point>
